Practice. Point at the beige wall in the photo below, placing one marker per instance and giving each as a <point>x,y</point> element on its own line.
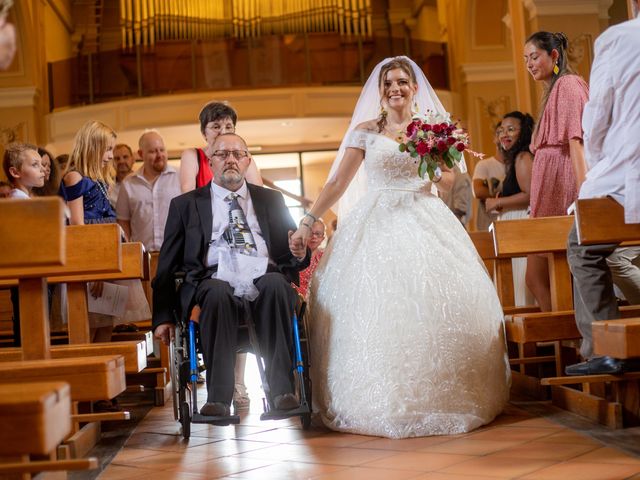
<point>485,40</point>
<point>23,85</point>
<point>58,30</point>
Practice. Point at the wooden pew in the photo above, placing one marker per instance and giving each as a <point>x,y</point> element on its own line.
<point>104,258</point>
<point>601,220</point>
<point>30,257</point>
<point>545,236</point>
<point>96,249</point>
<point>617,338</point>
<point>133,353</point>
<point>35,421</point>
<point>613,400</point>
<point>483,241</point>
<point>542,236</point>
<point>500,271</point>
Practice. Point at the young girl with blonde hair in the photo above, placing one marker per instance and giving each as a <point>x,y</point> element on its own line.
<point>84,187</point>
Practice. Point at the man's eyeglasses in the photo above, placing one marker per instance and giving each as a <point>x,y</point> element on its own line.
<point>224,154</point>
<point>317,234</point>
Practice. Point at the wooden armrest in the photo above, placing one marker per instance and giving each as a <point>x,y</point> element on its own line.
<point>601,220</point>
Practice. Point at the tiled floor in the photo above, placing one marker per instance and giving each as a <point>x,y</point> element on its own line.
<point>516,445</point>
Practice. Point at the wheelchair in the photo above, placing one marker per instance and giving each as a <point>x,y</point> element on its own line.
<point>184,370</point>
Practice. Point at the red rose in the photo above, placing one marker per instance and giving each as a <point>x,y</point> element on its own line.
<point>410,129</point>
<point>422,148</point>
<point>460,147</point>
<point>436,128</point>
<point>442,146</point>
<point>451,140</point>
<point>426,127</point>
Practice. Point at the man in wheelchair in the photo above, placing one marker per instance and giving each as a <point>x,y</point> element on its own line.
<point>232,241</point>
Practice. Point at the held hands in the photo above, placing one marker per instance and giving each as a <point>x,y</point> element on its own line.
<point>95,289</point>
<point>297,244</point>
<point>492,205</point>
<point>165,333</point>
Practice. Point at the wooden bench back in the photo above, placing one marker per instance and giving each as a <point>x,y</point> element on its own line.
<point>32,233</point>
<point>601,220</point>
<point>528,236</point>
<point>483,241</point>
<point>89,249</point>
<point>532,236</point>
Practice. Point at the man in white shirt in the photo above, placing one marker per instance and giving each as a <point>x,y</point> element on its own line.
<point>143,201</point>
<point>123,161</point>
<point>488,175</point>
<point>458,199</point>
<point>612,150</point>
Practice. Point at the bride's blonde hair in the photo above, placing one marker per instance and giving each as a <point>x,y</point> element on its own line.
<point>403,65</point>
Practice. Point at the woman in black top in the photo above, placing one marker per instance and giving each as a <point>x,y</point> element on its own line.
<point>514,135</point>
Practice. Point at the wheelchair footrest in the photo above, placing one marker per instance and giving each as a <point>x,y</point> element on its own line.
<point>220,421</point>
<point>282,414</point>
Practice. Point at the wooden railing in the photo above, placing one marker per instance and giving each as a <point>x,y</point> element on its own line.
<point>268,61</point>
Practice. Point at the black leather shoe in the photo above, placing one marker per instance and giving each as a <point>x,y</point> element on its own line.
<point>595,366</point>
<point>215,409</point>
<point>285,401</point>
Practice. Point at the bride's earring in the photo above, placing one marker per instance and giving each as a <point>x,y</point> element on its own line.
<point>383,111</point>
<point>415,107</point>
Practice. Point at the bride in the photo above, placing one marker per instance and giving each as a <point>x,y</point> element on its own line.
<point>405,324</point>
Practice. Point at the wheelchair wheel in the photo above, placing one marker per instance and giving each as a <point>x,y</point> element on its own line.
<point>185,420</point>
<point>175,379</point>
<point>303,381</point>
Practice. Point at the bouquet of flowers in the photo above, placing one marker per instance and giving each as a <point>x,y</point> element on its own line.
<point>434,139</point>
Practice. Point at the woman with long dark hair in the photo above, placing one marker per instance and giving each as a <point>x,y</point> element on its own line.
<point>514,136</point>
<point>559,167</point>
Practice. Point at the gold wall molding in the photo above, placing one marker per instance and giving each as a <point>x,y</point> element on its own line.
<point>568,7</point>
<point>16,133</point>
<point>179,110</point>
<point>19,97</point>
<point>183,109</point>
<point>492,110</point>
<point>487,72</point>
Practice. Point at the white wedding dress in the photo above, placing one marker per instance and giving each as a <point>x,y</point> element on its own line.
<point>405,324</point>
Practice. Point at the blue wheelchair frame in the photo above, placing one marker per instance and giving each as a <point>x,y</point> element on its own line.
<point>185,375</point>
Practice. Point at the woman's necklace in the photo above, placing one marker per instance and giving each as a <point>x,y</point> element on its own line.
<point>398,135</point>
<point>102,189</point>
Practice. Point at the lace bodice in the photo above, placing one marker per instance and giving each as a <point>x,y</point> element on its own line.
<point>385,165</point>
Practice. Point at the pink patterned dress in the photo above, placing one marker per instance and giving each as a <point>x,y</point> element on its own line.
<point>307,273</point>
<point>553,183</point>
